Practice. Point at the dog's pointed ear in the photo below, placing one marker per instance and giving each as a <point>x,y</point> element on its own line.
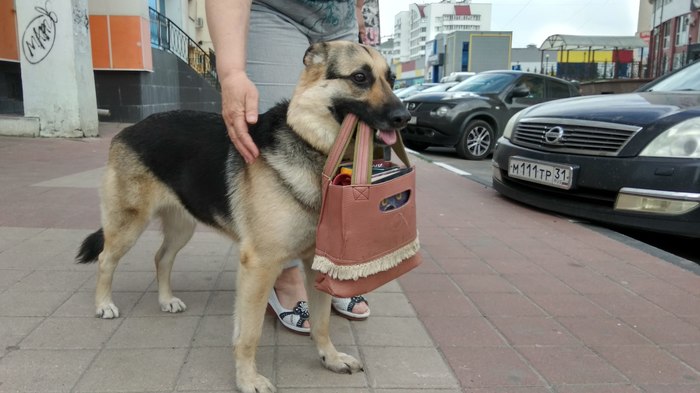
<point>316,54</point>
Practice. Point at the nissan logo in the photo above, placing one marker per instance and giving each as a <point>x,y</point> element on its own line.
<point>554,136</point>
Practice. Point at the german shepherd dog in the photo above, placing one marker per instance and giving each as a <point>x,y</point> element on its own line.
<point>182,168</point>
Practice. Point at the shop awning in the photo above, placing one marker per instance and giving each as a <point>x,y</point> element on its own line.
<point>591,42</point>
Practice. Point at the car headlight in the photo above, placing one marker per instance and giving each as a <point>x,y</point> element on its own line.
<point>442,110</point>
<point>681,141</point>
<point>510,126</point>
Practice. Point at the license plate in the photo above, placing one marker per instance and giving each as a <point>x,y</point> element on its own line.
<point>413,120</point>
<point>547,173</point>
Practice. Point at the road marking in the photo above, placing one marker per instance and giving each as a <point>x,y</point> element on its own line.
<point>452,169</point>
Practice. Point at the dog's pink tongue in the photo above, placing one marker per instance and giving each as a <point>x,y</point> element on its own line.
<point>388,136</point>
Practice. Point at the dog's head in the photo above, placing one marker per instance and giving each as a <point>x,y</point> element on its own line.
<point>342,77</point>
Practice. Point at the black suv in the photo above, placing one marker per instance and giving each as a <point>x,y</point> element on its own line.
<point>471,115</point>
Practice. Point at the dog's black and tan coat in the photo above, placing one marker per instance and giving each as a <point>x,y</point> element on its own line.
<point>181,167</point>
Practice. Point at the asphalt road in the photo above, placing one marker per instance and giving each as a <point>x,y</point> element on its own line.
<point>675,249</point>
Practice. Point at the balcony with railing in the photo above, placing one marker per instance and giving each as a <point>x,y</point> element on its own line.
<point>168,36</point>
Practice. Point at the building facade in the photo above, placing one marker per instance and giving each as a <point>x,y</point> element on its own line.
<point>386,48</point>
<point>423,22</point>
<point>674,36</point>
<point>402,34</point>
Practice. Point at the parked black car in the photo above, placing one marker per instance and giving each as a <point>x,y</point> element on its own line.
<point>471,115</point>
<point>630,160</point>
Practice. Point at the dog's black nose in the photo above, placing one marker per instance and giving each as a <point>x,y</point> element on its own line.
<point>399,117</point>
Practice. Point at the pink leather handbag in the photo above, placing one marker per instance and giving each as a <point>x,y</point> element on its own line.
<point>366,233</point>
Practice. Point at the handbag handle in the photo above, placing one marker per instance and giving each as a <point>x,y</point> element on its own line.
<point>364,154</point>
<point>364,148</point>
<point>340,145</point>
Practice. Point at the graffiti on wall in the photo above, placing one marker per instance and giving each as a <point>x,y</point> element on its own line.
<point>40,35</point>
<point>80,17</point>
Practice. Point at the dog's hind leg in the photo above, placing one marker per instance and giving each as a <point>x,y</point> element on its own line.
<point>178,227</point>
<point>121,230</point>
<point>256,276</point>
<point>320,310</point>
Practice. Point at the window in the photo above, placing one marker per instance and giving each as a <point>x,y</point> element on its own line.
<point>557,90</point>
<point>452,17</point>
<point>461,27</point>
<point>465,56</point>
<point>682,30</point>
<point>678,60</point>
<point>485,83</point>
<point>686,79</point>
<point>535,85</point>
<point>667,34</point>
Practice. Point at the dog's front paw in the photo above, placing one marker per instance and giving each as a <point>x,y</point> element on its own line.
<point>256,384</point>
<point>342,363</point>
<point>107,311</point>
<point>173,305</point>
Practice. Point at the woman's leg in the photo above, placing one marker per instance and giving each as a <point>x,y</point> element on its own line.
<point>276,50</point>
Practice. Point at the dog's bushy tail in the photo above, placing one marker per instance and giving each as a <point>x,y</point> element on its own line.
<point>91,248</point>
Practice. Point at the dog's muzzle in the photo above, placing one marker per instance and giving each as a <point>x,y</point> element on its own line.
<point>399,117</point>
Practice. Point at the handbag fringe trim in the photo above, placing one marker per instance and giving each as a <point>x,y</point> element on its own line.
<point>356,271</point>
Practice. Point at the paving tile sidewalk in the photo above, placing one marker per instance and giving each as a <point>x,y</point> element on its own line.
<point>508,300</point>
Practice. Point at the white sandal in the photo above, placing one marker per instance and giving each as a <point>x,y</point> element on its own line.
<point>344,306</point>
<point>291,319</point>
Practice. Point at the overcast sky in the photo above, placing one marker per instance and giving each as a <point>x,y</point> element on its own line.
<point>532,21</point>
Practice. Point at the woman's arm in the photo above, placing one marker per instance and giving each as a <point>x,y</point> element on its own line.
<point>228,25</point>
<point>360,21</point>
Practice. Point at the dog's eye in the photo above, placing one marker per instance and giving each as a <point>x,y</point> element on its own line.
<point>359,77</point>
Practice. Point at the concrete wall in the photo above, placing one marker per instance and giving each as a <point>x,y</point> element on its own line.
<point>121,7</point>
<point>489,51</point>
<point>131,96</point>
<point>56,65</point>
<point>613,86</point>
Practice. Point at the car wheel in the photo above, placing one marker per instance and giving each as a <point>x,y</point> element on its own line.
<point>417,146</point>
<point>477,140</point>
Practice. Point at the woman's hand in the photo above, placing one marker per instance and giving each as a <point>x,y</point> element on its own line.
<point>239,107</point>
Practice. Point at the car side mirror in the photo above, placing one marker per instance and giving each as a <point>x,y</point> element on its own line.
<point>520,91</point>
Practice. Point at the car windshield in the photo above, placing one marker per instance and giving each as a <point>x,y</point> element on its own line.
<point>686,79</point>
<point>485,83</point>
